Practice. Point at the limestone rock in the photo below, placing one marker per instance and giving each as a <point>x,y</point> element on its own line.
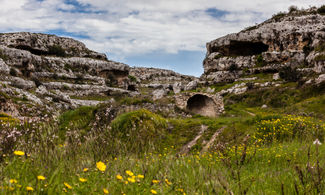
<point>158,94</point>
<point>177,87</point>
<point>44,44</point>
<point>191,85</point>
<point>289,40</point>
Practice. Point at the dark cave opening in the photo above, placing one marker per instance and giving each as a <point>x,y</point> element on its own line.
<point>201,104</point>
<point>241,48</point>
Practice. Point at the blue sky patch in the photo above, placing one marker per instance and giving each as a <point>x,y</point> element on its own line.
<point>216,13</point>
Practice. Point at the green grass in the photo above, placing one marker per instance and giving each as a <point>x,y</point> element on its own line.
<point>79,119</point>
<point>270,153</point>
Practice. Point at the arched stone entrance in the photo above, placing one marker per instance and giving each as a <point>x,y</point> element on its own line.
<point>201,104</point>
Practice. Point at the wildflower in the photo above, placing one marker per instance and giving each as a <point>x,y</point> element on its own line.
<point>140,176</point>
<point>13,181</point>
<point>28,188</point>
<point>82,179</point>
<point>155,181</point>
<point>167,182</point>
<point>119,177</point>
<point>153,191</point>
<point>101,166</point>
<point>67,185</point>
<point>317,142</point>
<point>126,182</point>
<point>132,180</point>
<point>105,191</point>
<point>85,170</point>
<point>129,173</point>
<point>40,177</point>
<point>19,153</point>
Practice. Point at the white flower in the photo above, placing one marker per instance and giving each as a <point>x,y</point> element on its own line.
<point>317,142</point>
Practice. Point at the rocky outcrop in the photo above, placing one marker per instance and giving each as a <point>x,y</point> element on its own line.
<point>295,39</point>
<point>45,44</point>
<point>51,73</point>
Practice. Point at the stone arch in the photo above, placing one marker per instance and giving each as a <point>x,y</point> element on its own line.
<point>202,104</point>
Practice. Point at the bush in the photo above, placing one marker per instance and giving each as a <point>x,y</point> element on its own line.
<point>132,78</point>
<point>292,8</point>
<point>13,72</point>
<point>137,131</point>
<point>320,58</point>
<point>279,15</point>
<point>78,119</point>
<point>321,10</point>
<point>290,74</point>
<point>56,50</point>
<point>260,61</point>
<point>233,67</point>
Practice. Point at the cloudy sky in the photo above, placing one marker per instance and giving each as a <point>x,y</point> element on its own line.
<point>153,33</point>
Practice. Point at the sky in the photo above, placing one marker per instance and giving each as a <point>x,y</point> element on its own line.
<point>169,34</point>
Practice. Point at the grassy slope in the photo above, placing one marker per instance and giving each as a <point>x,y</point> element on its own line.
<point>278,157</point>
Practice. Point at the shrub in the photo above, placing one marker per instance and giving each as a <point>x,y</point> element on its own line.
<point>278,16</point>
<point>290,74</point>
<point>56,50</point>
<point>260,61</point>
<point>3,56</point>
<point>292,8</point>
<point>233,67</point>
<point>320,47</point>
<point>13,72</point>
<point>132,78</point>
<point>320,58</point>
<point>79,119</point>
<point>321,10</point>
<point>137,131</point>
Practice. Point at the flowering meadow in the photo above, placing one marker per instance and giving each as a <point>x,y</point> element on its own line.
<point>263,154</point>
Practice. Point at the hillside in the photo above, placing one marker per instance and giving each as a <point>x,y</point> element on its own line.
<point>72,121</point>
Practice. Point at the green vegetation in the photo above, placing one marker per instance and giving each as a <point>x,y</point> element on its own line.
<point>78,120</point>
<point>290,74</point>
<point>3,55</point>
<point>56,50</point>
<point>320,47</point>
<point>260,61</point>
<point>132,78</point>
<point>320,58</point>
<point>321,10</point>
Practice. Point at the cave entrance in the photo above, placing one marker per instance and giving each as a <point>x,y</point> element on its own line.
<point>202,104</point>
<point>241,48</point>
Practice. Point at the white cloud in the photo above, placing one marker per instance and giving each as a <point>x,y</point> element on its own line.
<point>134,27</point>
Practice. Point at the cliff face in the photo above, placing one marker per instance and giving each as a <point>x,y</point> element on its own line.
<point>52,73</point>
<point>296,39</point>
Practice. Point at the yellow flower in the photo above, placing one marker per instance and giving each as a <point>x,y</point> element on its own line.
<point>19,153</point>
<point>153,191</point>
<point>155,181</point>
<point>13,181</point>
<point>101,166</point>
<point>132,180</point>
<point>105,191</point>
<point>82,179</point>
<point>40,177</point>
<point>126,182</point>
<point>67,185</point>
<point>129,173</point>
<point>85,169</point>
<point>140,176</point>
<point>167,182</point>
<point>28,188</point>
<point>119,177</point>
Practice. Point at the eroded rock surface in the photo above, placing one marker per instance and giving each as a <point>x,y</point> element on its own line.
<point>294,40</point>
